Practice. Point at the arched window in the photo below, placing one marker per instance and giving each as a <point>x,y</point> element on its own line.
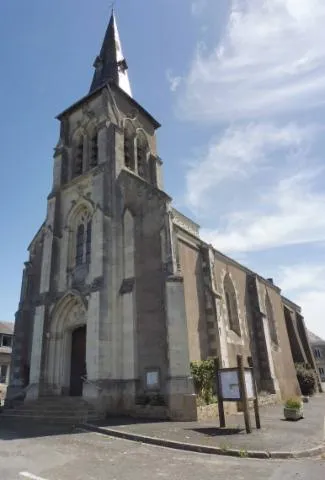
<point>93,160</point>
<point>79,155</point>
<point>129,135</point>
<point>88,242</point>
<point>271,320</point>
<point>142,150</point>
<point>83,240</point>
<point>231,304</point>
<point>80,244</point>
<point>152,167</point>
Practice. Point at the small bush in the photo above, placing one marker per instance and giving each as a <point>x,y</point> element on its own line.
<point>294,403</point>
<point>306,378</point>
<point>203,374</point>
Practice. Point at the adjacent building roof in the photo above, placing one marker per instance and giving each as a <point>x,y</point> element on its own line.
<point>7,328</point>
<point>314,339</point>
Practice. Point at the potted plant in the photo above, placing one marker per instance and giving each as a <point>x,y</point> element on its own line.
<point>293,409</point>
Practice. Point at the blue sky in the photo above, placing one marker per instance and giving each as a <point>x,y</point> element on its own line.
<point>239,87</point>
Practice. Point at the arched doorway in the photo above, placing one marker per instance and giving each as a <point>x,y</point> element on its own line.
<point>66,347</point>
<point>78,361</point>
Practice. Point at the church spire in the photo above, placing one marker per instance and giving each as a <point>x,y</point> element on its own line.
<point>111,65</point>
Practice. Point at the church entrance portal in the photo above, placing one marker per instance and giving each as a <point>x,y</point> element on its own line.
<point>78,361</point>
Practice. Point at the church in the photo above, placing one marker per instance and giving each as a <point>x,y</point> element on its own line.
<point>120,293</point>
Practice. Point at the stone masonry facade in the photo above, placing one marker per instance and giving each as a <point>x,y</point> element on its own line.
<point>114,259</point>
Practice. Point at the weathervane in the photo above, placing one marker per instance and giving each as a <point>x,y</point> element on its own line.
<point>112,5</point>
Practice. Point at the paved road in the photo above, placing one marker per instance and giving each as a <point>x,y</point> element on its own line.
<point>43,454</point>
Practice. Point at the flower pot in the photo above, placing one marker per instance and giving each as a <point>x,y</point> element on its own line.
<point>293,413</point>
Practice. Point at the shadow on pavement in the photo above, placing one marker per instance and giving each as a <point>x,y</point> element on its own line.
<point>121,421</point>
<point>22,429</point>
<point>216,432</point>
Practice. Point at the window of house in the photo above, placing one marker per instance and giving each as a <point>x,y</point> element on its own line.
<point>94,150</point>
<point>317,353</point>
<point>321,371</point>
<point>231,304</point>
<point>79,154</point>
<point>6,341</point>
<point>3,373</point>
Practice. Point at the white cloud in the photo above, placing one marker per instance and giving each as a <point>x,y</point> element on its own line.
<point>301,276</point>
<point>174,81</point>
<point>294,217</point>
<point>237,154</point>
<point>260,182</point>
<point>313,307</point>
<point>305,284</point>
<point>271,60</point>
<point>198,7</point>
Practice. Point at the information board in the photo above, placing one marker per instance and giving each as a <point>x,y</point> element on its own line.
<point>152,379</point>
<point>229,380</point>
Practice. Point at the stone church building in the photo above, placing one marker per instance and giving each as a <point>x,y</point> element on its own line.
<point>120,293</point>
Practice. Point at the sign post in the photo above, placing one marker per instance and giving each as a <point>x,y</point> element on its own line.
<point>256,405</point>
<point>222,418</point>
<point>237,385</point>
<point>243,393</point>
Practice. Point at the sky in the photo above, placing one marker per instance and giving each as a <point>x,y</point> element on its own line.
<point>239,87</point>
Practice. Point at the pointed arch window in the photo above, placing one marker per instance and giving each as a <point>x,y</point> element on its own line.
<point>142,150</point>
<point>83,240</point>
<point>271,320</point>
<point>129,135</point>
<point>93,150</point>
<point>79,155</point>
<point>152,167</point>
<point>80,244</point>
<point>88,242</point>
<point>231,305</point>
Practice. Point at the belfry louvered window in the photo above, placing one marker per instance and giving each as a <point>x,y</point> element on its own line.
<point>78,160</point>
<point>129,135</point>
<point>93,150</point>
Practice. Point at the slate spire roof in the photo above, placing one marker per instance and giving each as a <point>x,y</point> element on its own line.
<point>110,65</point>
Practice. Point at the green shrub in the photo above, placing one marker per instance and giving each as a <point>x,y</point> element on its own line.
<point>294,403</point>
<point>203,374</point>
<point>306,378</point>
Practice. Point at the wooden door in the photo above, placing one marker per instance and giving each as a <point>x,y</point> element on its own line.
<point>78,361</point>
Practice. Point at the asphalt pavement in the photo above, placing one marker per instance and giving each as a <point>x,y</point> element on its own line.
<point>58,453</point>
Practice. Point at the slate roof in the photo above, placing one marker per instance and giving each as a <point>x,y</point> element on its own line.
<point>314,339</point>
<point>7,328</point>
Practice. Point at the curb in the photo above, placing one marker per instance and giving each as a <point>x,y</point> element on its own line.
<point>192,447</point>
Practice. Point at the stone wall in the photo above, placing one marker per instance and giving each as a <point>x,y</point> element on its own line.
<point>191,270</point>
<point>236,344</point>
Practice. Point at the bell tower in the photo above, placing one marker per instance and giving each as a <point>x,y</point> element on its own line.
<point>107,272</point>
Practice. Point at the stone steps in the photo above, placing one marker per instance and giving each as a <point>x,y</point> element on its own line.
<point>54,410</point>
